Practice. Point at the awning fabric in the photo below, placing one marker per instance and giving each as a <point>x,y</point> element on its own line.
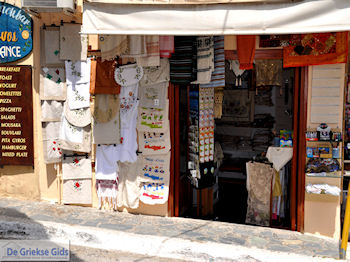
<point>306,16</point>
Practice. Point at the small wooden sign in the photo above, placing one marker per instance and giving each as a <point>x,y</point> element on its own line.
<point>16,116</point>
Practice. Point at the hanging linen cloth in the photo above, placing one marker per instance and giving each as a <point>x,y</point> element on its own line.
<point>73,45</point>
<point>166,46</point>
<point>154,96</point>
<point>137,46</point>
<point>75,138</point>
<point>128,77</point>
<point>153,75</point>
<point>155,168</point>
<point>78,84</point>
<point>183,63</point>
<point>153,56</point>
<point>50,47</point>
<point>107,175</point>
<point>51,110</point>
<point>128,194</point>
<point>259,177</point>
<point>106,107</point>
<point>205,59</point>
<point>154,193</point>
<point>51,145</point>
<point>279,156</point>
<point>76,174</point>
<point>78,117</point>
<point>153,119</point>
<point>53,84</point>
<point>151,143</point>
<point>268,72</point>
<point>112,46</point>
<point>102,77</point>
<point>246,51</point>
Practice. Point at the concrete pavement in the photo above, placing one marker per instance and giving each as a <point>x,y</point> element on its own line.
<point>161,237</point>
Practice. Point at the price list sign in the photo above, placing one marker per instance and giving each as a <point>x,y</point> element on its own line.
<point>16,116</point>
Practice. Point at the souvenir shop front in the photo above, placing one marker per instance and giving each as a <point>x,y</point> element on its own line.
<point>191,118</point>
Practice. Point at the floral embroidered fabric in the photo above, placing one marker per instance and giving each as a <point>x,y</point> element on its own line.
<point>75,167</point>
<point>156,74</point>
<point>128,75</point>
<point>155,168</point>
<point>268,72</point>
<point>78,117</point>
<point>52,84</point>
<point>259,178</point>
<point>77,191</point>
<point>75,138</point>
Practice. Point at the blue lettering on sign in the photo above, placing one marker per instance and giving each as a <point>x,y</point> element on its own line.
<point>16,30</point>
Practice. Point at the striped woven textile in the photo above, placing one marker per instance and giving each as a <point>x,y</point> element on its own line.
<point>218,75</point>
<point>183,63</point>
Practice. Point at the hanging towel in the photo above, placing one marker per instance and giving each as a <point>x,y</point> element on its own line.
<point>128,194</point>
<point>155,168</point>
<point>153,75</point>
<point>75,166</point>
<point>153,119</point>
<point>53,84</point>
<point>51,110</point>
<point>102,77</point>
<point>154,193</point>
<point>246,51</point>
<point>154,96</point>
<point>151,143</point>
<point>112,46</point>
<point>166,46</point>
<point>137,46</point>
<point>106,162</point>
<point>78,72</point>
<point>128,134</point>
<point>50,47</point>
<point>153,56</point>
<point>77,191</point>
<point>77,117</point>
<point>73,45</point>
<point>107,191</point>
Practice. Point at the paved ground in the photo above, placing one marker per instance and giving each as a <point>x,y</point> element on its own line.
<point>95,228</point>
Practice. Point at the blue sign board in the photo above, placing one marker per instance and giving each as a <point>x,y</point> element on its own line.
<point>16,29</point>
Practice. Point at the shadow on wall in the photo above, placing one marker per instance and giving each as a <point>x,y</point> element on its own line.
<point>19,181</point>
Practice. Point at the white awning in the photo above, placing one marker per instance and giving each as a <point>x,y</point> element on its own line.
<point>306,16</point>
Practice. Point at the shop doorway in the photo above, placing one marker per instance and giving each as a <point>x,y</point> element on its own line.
<point>226,199</point>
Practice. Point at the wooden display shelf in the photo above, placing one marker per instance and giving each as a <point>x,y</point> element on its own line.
<point>321,197</point>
